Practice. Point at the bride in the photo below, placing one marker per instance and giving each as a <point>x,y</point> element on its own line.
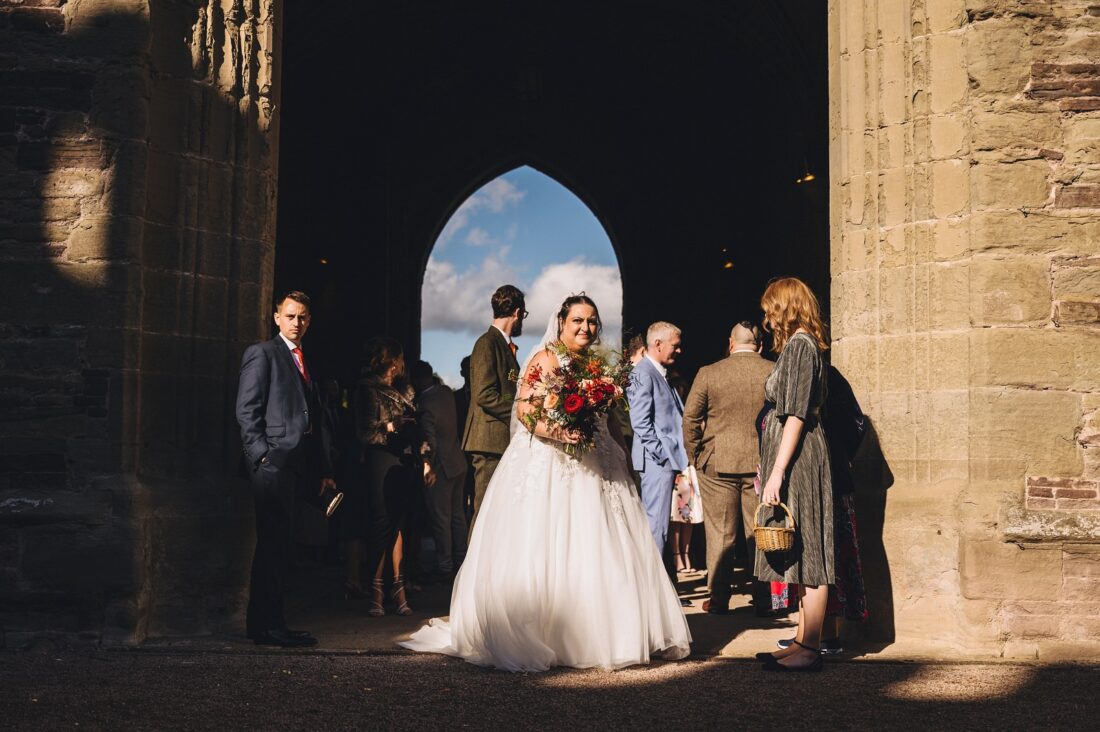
<point>562,569</point>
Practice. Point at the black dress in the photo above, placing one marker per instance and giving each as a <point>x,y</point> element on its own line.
<point>391,460</point>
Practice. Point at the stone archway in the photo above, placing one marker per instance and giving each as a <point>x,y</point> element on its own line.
<point>525,227</point>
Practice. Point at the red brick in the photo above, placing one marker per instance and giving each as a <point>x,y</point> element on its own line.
<point>1078,197</point>
<point>1047,71</point>
<point>1064,88</point>
<point>1034,491</point>
<point>1078,504</point>
<point>1075,493</point>
<point>1076,313</point>
<point>1040,504</point>
<point>1079,104</point>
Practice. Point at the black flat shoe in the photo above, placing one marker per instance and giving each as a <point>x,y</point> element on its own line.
<point>817,664</point>
<point>765,656</point>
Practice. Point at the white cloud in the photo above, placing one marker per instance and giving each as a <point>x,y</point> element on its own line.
<point>479,237</point>
<point>556,282</point>
<point>459,301</point>
<point>495,196</point>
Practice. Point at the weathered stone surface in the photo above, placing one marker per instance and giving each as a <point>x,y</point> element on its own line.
<point>1030,358</point>
<point>994,569</point>
<point>1010,291</point>
<point>1034,232</point>
<point>1012,185</point>
<point>1005,436</point>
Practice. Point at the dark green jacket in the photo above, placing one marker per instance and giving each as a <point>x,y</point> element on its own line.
<point>492,393</point>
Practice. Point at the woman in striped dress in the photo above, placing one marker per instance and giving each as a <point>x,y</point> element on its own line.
<point>794,460</point>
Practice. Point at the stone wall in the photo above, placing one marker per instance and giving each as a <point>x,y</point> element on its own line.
<point>137,189</point>
<point>966,310</point>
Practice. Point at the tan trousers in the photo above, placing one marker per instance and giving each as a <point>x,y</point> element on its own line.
<point>728,500</point>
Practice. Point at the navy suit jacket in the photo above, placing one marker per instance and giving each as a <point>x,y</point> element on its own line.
<point>275,408</point>
<point>657,418</point>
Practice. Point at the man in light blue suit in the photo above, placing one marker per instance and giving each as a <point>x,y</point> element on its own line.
<point>657,418</point>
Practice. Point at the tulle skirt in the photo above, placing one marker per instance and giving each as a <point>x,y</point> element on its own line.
<point>561,570</point>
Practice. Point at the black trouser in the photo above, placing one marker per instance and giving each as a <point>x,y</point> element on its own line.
<point>274,492</point>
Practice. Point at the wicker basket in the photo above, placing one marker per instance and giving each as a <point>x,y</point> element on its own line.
<point>773,538</point>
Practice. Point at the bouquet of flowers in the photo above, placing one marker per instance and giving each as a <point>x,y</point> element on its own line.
<point>573,395</point>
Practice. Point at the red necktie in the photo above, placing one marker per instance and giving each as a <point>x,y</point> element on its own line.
<point>300,362</point>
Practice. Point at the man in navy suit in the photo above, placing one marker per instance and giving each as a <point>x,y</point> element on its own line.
<point>287,448</point>
<point>656,416</point>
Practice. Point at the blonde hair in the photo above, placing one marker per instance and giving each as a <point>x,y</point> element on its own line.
<point>788,305</point>
<point>660,331</point>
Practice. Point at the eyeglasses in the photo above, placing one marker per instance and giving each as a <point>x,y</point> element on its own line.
<point>523,315</point>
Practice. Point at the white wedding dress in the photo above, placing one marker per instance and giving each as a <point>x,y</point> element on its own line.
<point>562,569</point>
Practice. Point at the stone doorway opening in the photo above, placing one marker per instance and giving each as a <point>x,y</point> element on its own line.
<point>522,227</point>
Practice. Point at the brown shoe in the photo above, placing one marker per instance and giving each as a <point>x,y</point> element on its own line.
<point>715,609</point>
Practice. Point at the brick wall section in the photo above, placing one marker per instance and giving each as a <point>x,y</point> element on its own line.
<point>137,189</point>
<point>965,226</point>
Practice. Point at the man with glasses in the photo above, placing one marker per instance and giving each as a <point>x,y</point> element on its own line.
<point>492,391</point>
<point>720,439</point>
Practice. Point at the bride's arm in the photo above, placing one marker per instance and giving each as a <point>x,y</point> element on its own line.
<point>544,360</point>
<point>617,432</point>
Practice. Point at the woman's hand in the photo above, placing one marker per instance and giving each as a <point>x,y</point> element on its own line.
<point>770,495</point>
<point>570,437</point>
<point>429,475</point>
<point>390,427</point>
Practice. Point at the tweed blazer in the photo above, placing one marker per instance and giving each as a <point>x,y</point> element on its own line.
<point>720,410</point>
<point>493,392</point>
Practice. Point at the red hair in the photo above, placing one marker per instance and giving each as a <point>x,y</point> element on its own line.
<point>788,305</point>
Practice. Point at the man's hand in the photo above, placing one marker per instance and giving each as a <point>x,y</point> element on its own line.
<point>327,484</point>
<point>429,475</point>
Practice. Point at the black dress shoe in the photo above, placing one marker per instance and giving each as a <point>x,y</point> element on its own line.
<point>765,656</point>
<point>684,602</point>
<point>298,633</point>
<point>283,639</point>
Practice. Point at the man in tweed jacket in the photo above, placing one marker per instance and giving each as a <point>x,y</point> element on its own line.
<point>492,389</point>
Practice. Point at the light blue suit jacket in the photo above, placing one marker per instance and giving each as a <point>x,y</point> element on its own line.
<point>657,417</point>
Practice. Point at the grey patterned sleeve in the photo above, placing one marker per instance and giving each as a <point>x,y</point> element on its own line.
<point>799,369</point>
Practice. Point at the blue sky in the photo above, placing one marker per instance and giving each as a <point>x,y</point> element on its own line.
<point>525,229</point>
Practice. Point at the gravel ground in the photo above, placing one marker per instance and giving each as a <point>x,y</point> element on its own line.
<point>299,690</point>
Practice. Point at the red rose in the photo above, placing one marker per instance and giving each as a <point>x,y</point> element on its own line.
<point>573,403</point>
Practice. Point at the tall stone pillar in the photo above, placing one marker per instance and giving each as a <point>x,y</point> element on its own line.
<point>138,159</point>
<point>965,146</point>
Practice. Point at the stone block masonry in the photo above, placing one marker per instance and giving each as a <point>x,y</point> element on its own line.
<point>978,242</point>
<point>138,159</point>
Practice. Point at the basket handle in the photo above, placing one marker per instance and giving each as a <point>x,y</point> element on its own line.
<point>756,516</point>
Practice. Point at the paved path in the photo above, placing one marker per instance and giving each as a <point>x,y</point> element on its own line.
<point>157,689</point>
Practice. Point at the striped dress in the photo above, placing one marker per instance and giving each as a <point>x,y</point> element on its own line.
<point>797,388</point>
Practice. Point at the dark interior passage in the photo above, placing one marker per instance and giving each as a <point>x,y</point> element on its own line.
<point>683,127</point>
